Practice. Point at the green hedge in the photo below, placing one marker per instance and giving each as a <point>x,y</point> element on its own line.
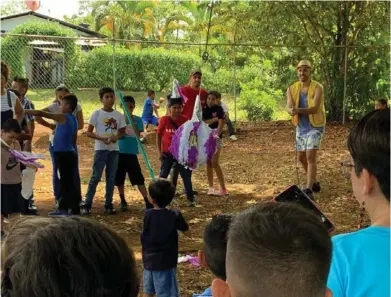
<point>136,70</point>
<point>13,48</point>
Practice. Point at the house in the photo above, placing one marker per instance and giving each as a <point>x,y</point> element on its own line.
<point>44,60</point>
<point>11,21</point>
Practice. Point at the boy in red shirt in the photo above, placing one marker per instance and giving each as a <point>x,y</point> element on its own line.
<point>191,91</point>
<point>166,129</point>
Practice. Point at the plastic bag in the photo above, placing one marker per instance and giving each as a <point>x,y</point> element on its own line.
<point>28,178</point>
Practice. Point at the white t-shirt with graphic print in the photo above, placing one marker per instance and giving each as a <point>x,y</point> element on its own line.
<point>107,124</point>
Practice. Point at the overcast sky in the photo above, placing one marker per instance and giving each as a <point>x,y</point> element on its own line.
<point>54,8</point>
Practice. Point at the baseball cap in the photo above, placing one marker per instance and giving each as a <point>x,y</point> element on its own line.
<point>304,63</point>
<point>196,71</point>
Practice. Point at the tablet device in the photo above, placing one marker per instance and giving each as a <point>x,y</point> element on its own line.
<point>295,195</point>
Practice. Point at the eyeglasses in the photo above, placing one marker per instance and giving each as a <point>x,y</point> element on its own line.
<point>346,167</point>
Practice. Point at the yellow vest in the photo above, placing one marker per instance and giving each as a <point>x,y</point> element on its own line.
<point>318,119</point>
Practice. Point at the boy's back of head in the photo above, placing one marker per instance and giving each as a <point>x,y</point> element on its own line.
<point>67,257</point>
<point>161,191</point>
<point>150,93</point>
<point>369,146</point>
<point>278,250</point>
<point>215,244</point>
<point>11,125</point>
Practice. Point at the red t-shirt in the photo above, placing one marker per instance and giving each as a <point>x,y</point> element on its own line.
<point>191,96</point>
<point>166,129</point>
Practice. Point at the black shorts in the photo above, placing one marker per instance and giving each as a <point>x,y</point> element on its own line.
<point>128,163</point>
<point>11,199</point>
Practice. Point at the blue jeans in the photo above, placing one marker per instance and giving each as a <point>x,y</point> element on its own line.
<point>231,130</point>
<point>167,163</point>
<point>56,181</point>
<point>102,159</point>
<point>163,283</point>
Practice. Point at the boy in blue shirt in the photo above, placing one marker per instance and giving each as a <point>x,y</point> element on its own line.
<point>159,240</point>
<point>64,151</point>
<point>149,107</point>
<point>215,248</point>
<point>128,161</point>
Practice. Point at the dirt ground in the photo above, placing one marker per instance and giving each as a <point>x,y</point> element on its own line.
<point>257,167</point>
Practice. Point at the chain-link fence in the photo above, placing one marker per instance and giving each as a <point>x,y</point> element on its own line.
<point>253,78</point>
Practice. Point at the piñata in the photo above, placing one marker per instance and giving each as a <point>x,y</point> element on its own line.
<point>194,143</point>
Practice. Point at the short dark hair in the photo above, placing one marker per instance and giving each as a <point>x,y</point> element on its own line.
<point>16,92</point>
<point>214,93</point>
<point>71,99</point>
<point>369,146</point>
<point>215,244</point>
<point>11,125</point>
<point>383,101</point>
<point>172,101</point>
<point>23,81</point>
<point>151,92</point>
<point>129,99</point>
<point>161,191</point>
<point>70,256</point>
<point>5,70</point>
<point>275,249</point>
<point>105,90</point>
<point>62,88</point>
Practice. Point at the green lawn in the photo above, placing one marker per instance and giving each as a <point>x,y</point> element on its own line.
<point>89,100</point>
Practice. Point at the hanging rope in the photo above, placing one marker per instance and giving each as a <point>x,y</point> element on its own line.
<point>205,55</point>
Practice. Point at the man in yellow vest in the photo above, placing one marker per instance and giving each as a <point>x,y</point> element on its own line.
<point>305,102</point>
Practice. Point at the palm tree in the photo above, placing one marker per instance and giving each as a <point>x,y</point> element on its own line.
<point>125,19</point>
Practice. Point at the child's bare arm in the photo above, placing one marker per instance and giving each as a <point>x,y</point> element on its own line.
<point>43,122</point>
<point>58,117</point>
<point>211,121</point>
<point>120,134</point>
<point>91,134</point>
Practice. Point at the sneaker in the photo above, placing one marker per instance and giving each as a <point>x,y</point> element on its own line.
<point>142,140</point>
<point>110,211</point>
<point>233,137</point>
<point>221,192</point>
<point>309,193</point>
<point>85,211</point>
<point>211,192</point>
<point>316,187</point>
<point>58,212</point>
<point>75,213</point>
<point>32,206</point>
<point>123,206</point>
<point>5,220</point>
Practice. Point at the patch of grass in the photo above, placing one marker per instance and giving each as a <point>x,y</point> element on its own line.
<point>89,100</point>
